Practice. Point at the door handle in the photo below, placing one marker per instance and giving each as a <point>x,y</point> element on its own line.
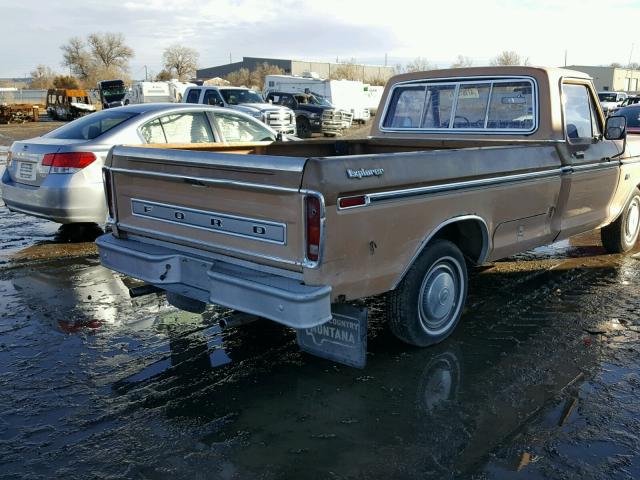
<point>579,154</point>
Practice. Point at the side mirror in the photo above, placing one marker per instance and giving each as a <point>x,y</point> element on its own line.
<point>615,128</point>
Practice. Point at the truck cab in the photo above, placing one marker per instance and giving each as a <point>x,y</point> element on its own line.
<point>280,118</point>
<point>313,114</point>
<point>112,93</point>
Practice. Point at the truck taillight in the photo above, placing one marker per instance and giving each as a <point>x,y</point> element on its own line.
<point>62,162</point>
<point>314,227</point>
<point>108,191</point>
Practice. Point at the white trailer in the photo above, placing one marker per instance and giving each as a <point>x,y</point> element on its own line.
<point>177,89</point>
<point>372,96</point>
<point>342,94</point>
<point>149,92</point>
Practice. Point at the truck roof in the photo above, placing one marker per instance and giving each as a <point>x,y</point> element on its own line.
<point>551,72</point>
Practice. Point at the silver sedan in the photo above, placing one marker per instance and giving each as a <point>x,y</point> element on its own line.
<point>59,176</point>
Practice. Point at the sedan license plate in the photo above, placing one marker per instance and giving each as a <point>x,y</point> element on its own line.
<point>26,171</point>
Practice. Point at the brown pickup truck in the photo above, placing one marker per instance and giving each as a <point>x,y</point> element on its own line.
<point>463,166</point>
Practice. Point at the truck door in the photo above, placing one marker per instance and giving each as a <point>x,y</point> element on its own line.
<point>589,177</point>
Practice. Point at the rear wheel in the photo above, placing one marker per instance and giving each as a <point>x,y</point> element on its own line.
<point>303,127</point>
<point>426,306</point>
<point>622,235</point>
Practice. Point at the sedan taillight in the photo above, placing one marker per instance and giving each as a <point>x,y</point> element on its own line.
<point>63,162</point>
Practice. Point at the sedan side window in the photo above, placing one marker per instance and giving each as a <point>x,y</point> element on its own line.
<point>191,127</point>
<point>235,128</point>
<point>152,132</point>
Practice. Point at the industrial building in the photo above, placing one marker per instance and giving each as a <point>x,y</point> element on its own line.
<point>295,67</point>
<point>611,78</point>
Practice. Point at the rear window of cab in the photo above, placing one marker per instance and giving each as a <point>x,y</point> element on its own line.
<point>505,105</point>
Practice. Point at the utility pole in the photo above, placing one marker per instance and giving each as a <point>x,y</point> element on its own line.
<point>629,68</point>
<point>385,59</point>
<point>230,58</point>
<point>146,75</point>
<point>565,57</point>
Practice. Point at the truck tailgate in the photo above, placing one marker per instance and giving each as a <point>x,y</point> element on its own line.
<point>247,206</point>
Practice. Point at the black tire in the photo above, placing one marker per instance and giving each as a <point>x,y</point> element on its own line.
<point>303,127</point>
<point>426,306</point>
<point>622,235</point>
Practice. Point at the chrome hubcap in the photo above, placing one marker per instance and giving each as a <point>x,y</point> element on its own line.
<point>633,220</point>
<point>439,299</point>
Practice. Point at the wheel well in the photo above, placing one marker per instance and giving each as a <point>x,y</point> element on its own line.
<point>469,235</point>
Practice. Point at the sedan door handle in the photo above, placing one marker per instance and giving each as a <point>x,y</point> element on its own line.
<point>579,154</point>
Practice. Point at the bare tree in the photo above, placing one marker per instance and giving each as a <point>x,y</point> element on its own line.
<point>42,77</point>
<point>615,65</point>
<point>347,70</point>
<point>109,50</point>
<point>103,55</point>
<point>65,81</point>
<point>239,78</point>
<point>462,61</point>
<point>75,56</point>
<point>509,57</point>
<point>181,60</point>
<point>419,64</point>
<point>163,76</point>
<point>256,78</point>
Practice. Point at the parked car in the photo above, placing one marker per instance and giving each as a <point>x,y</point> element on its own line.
<point>281,119</point>
<point>611,100</point>
<point>630,100</point>
<point>59,176</point>
<point>68,103</point>
<point>313,115</point>
<point>463,166</point>
<point>632,114</point>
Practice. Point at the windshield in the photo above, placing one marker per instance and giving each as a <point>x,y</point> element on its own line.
<point>632,114</point>
<point>608,97</point>
<point>311,100</point>
<point>236,97</point>
<point>91,126</point>
<point>115,93</point>
<point>321,100</point>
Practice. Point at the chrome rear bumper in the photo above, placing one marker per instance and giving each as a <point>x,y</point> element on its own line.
<point>246,288</point>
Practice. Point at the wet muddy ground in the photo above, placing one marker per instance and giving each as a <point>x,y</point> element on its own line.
<point>540,381</point>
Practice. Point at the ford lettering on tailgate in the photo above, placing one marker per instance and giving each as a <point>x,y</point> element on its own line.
<point>216,222</point>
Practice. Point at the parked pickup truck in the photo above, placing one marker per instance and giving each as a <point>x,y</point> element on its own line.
<point>281,119</point>
<point>463,167</point>
<point>313,115</point>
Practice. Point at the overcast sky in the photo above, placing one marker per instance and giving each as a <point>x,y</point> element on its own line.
<point>592,32</point>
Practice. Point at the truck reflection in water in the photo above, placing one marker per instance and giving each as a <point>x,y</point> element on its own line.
<point>437,411</point>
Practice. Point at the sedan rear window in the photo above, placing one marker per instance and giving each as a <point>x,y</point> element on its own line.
<point>91,126</point>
